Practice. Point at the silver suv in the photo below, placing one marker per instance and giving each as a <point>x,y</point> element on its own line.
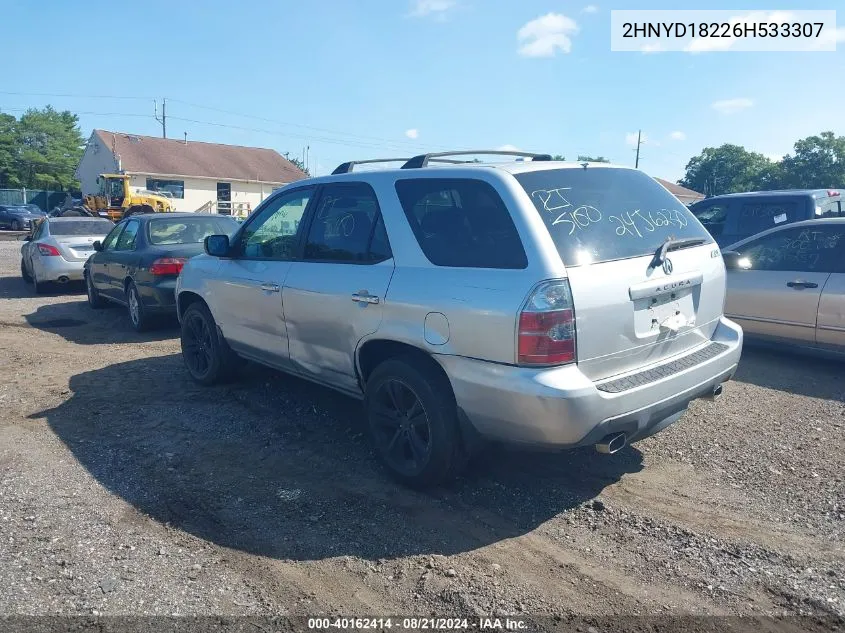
<point>534,302</point>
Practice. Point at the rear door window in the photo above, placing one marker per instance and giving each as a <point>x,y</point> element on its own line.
<point>126,242</point>
<point>755,217</point>
<point>813,249</point>
<point>461,222</point>
<point>599,214</point>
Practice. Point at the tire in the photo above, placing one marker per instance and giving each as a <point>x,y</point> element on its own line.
<point>25,273</point>
<point>39,287</point>
<point>95,301</point>
<point>207,356</point>
<point>413,422</point>
<point>138,316</point>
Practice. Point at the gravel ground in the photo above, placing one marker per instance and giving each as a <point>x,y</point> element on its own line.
<point>125,489</point>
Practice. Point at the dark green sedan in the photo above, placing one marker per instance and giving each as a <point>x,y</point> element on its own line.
<point>137,263</point>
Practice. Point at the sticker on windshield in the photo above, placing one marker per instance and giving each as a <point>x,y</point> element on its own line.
<point>779,218</point>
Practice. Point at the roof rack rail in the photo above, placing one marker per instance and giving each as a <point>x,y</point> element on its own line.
<point>346,168</point>
<point>423,159</point>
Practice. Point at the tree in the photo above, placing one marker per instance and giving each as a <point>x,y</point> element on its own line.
<point>729,169</point>
<point>8,144</point>
<point>558,157</point>
<point>592,159</point>
<point>298,163</point>
<point>818,162</point>
<point>45,147</point>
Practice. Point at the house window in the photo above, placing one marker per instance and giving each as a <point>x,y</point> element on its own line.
<point>170,188</point>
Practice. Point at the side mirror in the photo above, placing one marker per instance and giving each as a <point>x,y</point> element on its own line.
<point>217,245</point>
<point>98,246</point>
<point>735,261</point>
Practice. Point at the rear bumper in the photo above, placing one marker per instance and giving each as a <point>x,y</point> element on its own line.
<point>560,407</point>
<point>159,296</point>
<point>57,268</point>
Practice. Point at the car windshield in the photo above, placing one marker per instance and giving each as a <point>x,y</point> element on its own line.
<point>598,214</point>
<point>166,231</point>
<point>94,226</point>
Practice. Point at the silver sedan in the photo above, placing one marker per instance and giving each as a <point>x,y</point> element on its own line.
<point>58,248</point>
<point>787,285</point>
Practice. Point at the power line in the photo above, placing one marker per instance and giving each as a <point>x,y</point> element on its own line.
<point>357,138</point>
<point>306,127</point>
<point>72,96</point>
<point>307,137</point>
<point>130,114</point>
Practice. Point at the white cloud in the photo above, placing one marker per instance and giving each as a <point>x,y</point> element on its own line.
<point>590,8</point>
<point>677,135</point>
<point>710,44</point>
<point>422,8</point>
<point>412,133</point>
<point>546,35</point>
<point>731,106</point>
<point>508,148</point>
<point>830,36</point>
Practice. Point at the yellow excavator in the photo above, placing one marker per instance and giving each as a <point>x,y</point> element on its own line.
<point>118,201</point>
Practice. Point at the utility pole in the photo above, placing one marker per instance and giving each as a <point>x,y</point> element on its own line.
<point>639,142</point>
<point>163,119</point>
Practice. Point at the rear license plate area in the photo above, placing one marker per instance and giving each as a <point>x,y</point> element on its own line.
<point>664,314</point>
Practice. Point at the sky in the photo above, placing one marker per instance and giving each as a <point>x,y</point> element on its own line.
<point>374,78</point>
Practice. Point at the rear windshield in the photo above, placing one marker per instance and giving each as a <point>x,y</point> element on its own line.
<point>93,226</point>
<point>169,231</point>
<point>600,214</point>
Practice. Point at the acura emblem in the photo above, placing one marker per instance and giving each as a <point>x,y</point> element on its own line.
<point>667,266</point>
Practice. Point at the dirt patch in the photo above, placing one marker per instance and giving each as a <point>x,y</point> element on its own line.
<point>126,489</point>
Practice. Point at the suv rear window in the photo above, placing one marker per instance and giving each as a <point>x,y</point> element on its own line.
<point>461,222</point>
<point>598,214</point>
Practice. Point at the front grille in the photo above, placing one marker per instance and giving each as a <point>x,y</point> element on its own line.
<point>664,371</point>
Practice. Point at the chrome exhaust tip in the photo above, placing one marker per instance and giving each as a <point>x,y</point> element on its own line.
<point>612,443</point>
<point>717,391</point>
<point>63,279</point>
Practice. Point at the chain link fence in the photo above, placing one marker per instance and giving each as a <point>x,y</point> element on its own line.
<point>46,200</point>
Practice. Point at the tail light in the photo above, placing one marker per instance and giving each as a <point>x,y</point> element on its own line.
<point>832,193</point>
<point>546,334</point>
<point>48,250</point>
<point>167,266</point>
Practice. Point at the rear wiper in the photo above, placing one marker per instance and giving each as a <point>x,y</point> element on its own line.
<point>670,244</point>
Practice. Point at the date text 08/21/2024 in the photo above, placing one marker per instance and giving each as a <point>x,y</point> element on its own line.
<point>418,624</point>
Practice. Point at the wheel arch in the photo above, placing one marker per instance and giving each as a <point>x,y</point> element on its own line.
<point>371,353</point>
<point>187,298</point>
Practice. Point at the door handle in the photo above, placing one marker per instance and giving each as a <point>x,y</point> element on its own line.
<point>270,287</point>
<point>802,284</point>
<point>364,297</point>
